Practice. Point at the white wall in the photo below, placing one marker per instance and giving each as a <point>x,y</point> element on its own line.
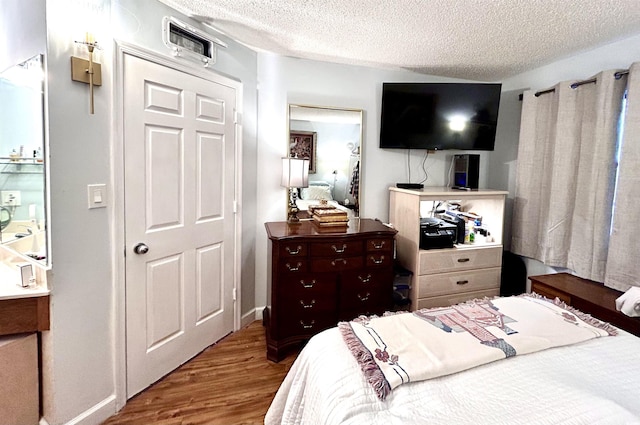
<point>22,31</point>
<point>80,352</point>
<point>283,80</point>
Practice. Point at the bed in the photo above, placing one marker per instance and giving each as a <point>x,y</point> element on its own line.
<point>595,381</point>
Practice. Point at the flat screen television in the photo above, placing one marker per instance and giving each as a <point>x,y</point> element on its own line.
<point>439,116</point>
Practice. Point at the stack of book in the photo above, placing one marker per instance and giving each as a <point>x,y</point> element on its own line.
<point>329,217</point>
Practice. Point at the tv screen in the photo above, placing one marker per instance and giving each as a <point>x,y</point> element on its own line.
<point>439,116</point>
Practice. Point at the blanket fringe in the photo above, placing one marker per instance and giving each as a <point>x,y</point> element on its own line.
<point>365,359</point>
<point>585,317</point>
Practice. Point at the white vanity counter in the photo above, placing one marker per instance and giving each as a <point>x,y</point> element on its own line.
<point>10,279</point>
<point>10,284</point>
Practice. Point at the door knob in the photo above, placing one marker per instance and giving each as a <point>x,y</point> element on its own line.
<point>141,249</point>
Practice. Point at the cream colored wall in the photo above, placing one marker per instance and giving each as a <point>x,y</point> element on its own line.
<point>285,80</point>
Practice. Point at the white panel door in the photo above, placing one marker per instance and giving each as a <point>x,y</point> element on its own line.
<point>179,147</point>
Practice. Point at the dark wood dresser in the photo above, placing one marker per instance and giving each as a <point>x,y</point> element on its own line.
<point>320,276</point>
<point>585,295</point>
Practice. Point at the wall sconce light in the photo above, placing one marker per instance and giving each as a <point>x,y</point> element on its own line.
<point>86,71</point>
<point>295,174</point>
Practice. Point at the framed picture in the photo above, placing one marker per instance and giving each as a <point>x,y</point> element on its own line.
<point>303,145</point>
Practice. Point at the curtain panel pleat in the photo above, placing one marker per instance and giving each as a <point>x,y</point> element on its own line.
<point>623,262</point>
<point>566,174</point>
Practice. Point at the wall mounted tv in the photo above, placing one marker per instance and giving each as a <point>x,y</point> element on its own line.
<point>439,116</point>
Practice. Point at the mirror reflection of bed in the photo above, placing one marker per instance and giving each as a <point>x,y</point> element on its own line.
<point>335,167</point>
<point>316,193</point>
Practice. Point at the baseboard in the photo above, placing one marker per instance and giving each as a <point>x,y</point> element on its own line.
<point>93,416</point>
<point>250,316</point>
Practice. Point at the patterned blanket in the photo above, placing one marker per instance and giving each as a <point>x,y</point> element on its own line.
<point>400,348</point>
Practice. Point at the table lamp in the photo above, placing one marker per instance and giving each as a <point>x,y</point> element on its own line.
<point>295,174</point>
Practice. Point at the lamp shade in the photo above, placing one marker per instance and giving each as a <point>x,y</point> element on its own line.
<point>295,172</point>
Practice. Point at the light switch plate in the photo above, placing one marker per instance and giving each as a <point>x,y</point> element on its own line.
<point>97,195</point>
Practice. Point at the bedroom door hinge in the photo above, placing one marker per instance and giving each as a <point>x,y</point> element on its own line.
<point>235,207</point>
<point>234,294</point>
<point>237,117</point>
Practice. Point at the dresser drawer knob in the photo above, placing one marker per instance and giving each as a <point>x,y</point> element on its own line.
<point>463,260</point>
<point>378,246</point>
<point>462,282</point>
<point>292,252</point>
<point>308,285</point>
<point>335,262</point>
<point>309,326</point>
<point>380,261</point>
<point>293,268</point>
<point>339,250</point>
<point>310,305</point>
<point>365,279</point>
<point>364,298</point>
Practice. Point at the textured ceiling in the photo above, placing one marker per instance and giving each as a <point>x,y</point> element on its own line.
<point>485,40</point>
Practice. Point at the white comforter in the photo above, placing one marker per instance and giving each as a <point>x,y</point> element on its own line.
<point>594,382</point>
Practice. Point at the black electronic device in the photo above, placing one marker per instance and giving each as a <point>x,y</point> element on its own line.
<point>436,233</point>
<point>439,116</point>
<point>409,185</point>
<point>459,222</point>
<point>466,171</point>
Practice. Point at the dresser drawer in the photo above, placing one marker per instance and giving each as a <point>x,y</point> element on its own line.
<point>309,303</point>
<point>379,244</point>
<point>305,284</point>
<point>457,282</point>
<point>379,259</point>
<point>293,249</point>
<point>450,260</point>
<point>306,323</point>
<point>340,248</point>
<point>366,278</point>
<point>337,264</point>
<point>364,302</point>
<point>447,300</point>
<point>293,266</point>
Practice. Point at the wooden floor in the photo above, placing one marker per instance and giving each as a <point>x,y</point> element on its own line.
<point>229,383</point>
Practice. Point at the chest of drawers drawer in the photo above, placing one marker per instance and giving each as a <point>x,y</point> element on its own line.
<point>293,249</point>
<point>379,245</point>
<point>336,264</point>
<point>377,259</point>
<point>293,266</point>
<point>337,248</point>
<point>458,282</point>
<point>451,260</point>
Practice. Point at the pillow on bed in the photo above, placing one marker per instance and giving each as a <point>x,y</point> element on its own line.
<point>316,193</point>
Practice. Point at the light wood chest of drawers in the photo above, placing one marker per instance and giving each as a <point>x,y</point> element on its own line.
<point>448,276</point>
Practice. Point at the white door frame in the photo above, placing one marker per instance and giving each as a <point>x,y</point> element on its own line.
<point>117,195</point>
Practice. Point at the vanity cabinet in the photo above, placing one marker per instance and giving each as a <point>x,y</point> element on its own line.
<point>18,315</point>
<point>442,277</point>
<point>317,277</point>
<point>20,391</point>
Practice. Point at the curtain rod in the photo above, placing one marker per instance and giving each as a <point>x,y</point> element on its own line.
<point>577,84</point>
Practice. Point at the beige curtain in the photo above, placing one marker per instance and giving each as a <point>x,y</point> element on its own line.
<point>566,174</point>
<point>623,263</point>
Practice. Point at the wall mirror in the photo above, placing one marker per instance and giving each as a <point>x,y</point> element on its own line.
<point>332,139</point>
<point>22,176</point>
